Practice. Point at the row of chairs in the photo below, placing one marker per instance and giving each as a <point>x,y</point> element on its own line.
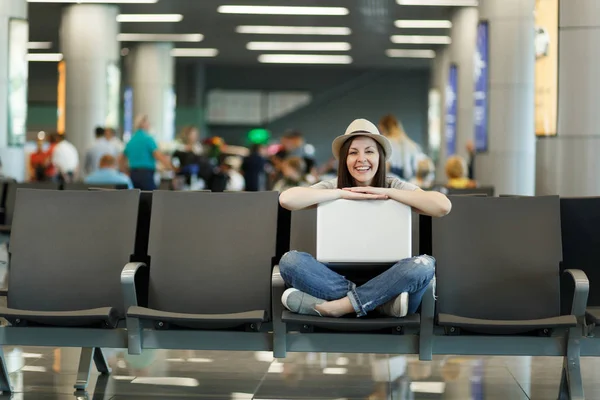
<point>198,270</point>
<point>8,193</point>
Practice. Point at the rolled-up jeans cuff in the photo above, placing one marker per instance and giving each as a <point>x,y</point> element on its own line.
<point>354,300</point>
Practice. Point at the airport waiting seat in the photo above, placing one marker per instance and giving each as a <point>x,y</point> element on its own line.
<point>580,221</point>
<point>371,334</point>
<point>88,186</point>
<point>498,287</point>
<point>4,182</point>
<point>67,251</point>
<point>477,191</point>
<point>211,257</point>
<point>11,198</point>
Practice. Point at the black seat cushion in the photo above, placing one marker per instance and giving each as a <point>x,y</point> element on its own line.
<point>592,315</point>
<point>505,327</point>
<point>105,317</point>
<point>351,324</point>
<point>199,321</point>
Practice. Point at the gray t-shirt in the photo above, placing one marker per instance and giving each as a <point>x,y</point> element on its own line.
<point>394,183</point>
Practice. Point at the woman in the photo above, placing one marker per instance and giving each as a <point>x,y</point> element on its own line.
<point>317,290</point>
<point>142,153</point>
<point>189,156</point>
<point>403,159</point>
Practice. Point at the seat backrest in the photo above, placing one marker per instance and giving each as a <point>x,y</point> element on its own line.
<point>68,248</point>
<point>498,258</point>
<point>212,253</point>
<point>482,190</point>
<point>11,195</point>
<point>580,220</point>
<point>303,231</point>
<point>4,182</point>
<point>88,186</point>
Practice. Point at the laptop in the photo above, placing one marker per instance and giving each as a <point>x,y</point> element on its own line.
<point>363,232</point>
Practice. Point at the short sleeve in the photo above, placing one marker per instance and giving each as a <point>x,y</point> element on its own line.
<point>330,184</point>
<point>402,185</point>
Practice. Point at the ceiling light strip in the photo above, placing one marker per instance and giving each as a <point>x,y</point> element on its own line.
<point>293,30</point>
<point>304,59</point>
<point>299,46</point>
<point>282,10</point>
<point>149,18</point>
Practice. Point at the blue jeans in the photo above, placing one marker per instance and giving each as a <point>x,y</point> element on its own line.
<point>301,271</point>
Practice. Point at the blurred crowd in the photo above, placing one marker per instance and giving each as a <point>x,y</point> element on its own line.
<point>211,164</point>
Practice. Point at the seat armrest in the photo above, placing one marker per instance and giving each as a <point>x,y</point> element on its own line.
<point>128,276</point>
<point>279,327</point>
<point>580,293</point>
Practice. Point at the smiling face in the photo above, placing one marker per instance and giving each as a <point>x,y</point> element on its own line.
<point>363,160</point>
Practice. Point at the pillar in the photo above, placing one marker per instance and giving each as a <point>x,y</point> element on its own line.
<point>91,52</point>
<point>439,79</point>
<point>13,86</point>
<point>509,163</point>
<point>568,164</point>
<point>151,74</point>
<point>462,52</point>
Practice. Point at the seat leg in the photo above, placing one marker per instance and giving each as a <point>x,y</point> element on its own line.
<point>100,361</point>
<point>574,381</point>
<point>5,386</point>
<point>563,390</point>
<point>85,366</point>
<point>100,389</point>
<point>279,327</point>
<point>134,336</point>
<point>426,329</point>
<point>571,384</point>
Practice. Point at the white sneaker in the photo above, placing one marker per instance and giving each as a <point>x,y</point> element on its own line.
<point>397,307</point>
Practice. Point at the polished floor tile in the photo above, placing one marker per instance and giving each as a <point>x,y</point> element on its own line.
<point>49,374</point>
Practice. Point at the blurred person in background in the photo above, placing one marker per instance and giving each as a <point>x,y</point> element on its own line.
<point>188,160</point>
<point>235,180</point>
<point>107,173</point>
<point>293,171</point>
<point>471,163</point>
<point>66,159</point>
<point>142,153</point>
<point>403,162</point>
<point>253,168</point>
<point>456,171</point>
<point>113,140</point>
<point>424,175</point>
<point>100,147</point>
<point>39,161</point>
<point>328,170</point>
<point>293,145</point>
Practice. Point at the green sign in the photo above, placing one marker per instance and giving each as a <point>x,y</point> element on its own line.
<point>259,136</point>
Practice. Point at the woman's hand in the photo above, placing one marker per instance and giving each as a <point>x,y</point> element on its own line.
<point>364,193</point>
<point>369,190</point>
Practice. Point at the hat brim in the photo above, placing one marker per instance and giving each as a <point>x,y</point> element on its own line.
<point>339,141</point>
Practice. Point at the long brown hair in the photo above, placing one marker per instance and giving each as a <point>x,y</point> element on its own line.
<point>345,179</point>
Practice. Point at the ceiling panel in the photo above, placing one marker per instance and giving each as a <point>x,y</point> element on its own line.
<point>371,22</point>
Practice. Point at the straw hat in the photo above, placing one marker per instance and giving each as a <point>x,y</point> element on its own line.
<point>361,127</point>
